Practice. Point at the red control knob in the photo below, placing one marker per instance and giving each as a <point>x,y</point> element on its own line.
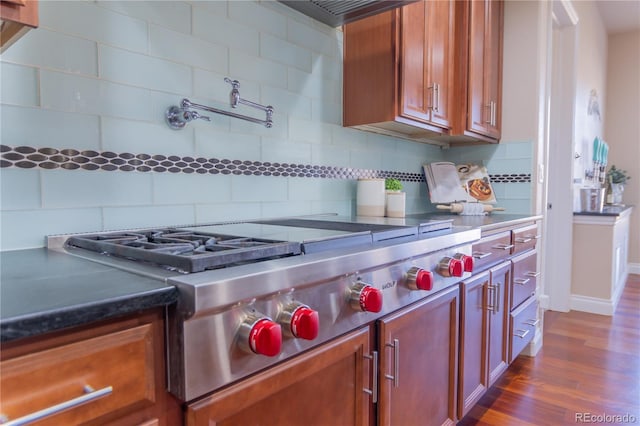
<point>305,323</point>
<point>451,267</point>
<point>419,279</point>
<point>467,261</point>
<point>265,338</point>
<point>365,298</point>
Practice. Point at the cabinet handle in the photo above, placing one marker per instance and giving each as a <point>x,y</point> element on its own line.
<point>523,240</point>
<point>437,96</point>
<point>494,291</point>
<point>532,274</point>
<point>89,395</point>
<point>534,237</point>
<point>532,322</point>
<point>433,106</point>
<point>523,333</point>
<point>374,380</point>
<point>521,281</point>
<point>396,362</point>
<point>494,108</point>
<point>503,246</point>
<point>490,107</point>
<point>480,254</point>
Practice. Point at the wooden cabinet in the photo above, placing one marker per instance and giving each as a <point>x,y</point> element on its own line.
<point>322,387</point>
<point>523,322</point>
<point>418,363</point>
<point>525,277</point>
<point>398,71</point>
<point>16,18</point>
<point>479,78</point>
<point>483,333</point>
<point>109,374</point>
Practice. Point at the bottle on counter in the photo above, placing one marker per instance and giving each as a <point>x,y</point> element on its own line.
<point>609,196</point>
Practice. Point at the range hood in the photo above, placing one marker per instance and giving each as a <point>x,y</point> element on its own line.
<point>337,12</point>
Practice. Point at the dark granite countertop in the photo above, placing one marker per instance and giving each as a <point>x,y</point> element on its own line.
<point>606,211</point>
<point>43,290</point>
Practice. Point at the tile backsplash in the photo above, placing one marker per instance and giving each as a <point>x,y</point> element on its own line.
<point>97,76</point>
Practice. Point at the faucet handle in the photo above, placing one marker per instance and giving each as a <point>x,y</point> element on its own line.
<point>194,115</point>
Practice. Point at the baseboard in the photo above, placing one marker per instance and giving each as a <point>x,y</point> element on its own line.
<point>634,268</point>
<point>592,305</point>
<point>534,346</point>
<point>543,299</point>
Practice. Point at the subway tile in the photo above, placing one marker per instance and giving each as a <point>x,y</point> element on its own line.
<point>277,150</point>
<point>341,207</point>
<point>508,166</point>
<point>254,189</point>
<point>286,209</point>
<point>55,129</point>
<point>218,8</point>
<point>64,189</point>
<point>120,135</point>
<point>309,131</point>
<point>53,50</point>
<point>329,155</point>
<point>214,143</point>
<point>278,129</point>
<point>249,67</point>
<point>279,50</point>
<point>312,38</point>
<point>187,50</point>
<point>180,188</point>
<point>144,71</point>
<point>20,189</point>
<point>313,85</point>
<point>225,212</point>
<point>326,111</point>
<point>519,190</point>
<point>67,92</point>
<point>325,189</point>
<point>259,17</point>
<point>170,14</point>
<point>23,229</point>
<point>89,21</point>
<point>211,85</point>
<point>366,160</point>
<point>328,68</point>
<point>286,102</point>
<point>348,137</point>
<point>19,85</point>
<point>519,149</point>
<point>216,28</point>
<point>116,218</point>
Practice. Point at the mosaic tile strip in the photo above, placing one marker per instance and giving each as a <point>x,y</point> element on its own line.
<point>26,157</point>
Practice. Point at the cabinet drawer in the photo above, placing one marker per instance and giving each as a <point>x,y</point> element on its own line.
<point>524,277</point>
<point>523,323</point>
<point>491,250</point>
<point>525,238</point>
<point>114,372</point>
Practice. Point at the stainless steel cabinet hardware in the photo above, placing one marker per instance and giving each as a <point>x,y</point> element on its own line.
<point>178,116</point>
<point>494,294</point>
<point>532,274</point>
<point>503,246</point>
<point>89,395</point>
<point>480,254</point>
<point>532,322</point>
<point>521,333</point>
<point>396,363</point>
<point>523,240</point>
<point>374,381</point>
<point>521,281</point>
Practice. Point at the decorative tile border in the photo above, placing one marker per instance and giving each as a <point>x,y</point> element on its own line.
<point>26,157</point>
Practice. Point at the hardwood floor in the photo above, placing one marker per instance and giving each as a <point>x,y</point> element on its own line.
<point>589,366</point>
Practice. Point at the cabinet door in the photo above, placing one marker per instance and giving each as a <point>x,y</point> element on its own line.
<point>485,67</point>
<point>418,363</point>
<point>473,340</point>
<point>321,387</point>
<point>498,312</point>
<point>427,30</point>
<point>440,38</point>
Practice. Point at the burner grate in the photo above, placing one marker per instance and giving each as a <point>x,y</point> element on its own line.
<point>185,251</point>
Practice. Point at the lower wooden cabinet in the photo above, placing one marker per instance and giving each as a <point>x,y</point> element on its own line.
<point>109,374</point>
<point>324,386</point>
<point>418,363</point>
<point>483,333</point>
<point>523,322</point>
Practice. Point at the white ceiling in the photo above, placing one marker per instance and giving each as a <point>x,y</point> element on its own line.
<point>620,16</point>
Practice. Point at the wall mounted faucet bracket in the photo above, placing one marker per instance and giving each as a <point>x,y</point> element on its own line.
<point>178,116</point>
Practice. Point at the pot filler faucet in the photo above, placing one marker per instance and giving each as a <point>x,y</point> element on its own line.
<point>178,116</point>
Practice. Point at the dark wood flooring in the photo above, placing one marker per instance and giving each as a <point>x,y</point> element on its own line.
<point>589,366</point>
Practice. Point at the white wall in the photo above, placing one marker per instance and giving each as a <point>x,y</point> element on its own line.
<point>622,128</point>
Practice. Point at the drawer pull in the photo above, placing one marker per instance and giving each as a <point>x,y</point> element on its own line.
<point>374,381</point>
<point>522,335</point>
<point>521,281</point>
<point>503,246</point>
<point>89,395</point>
<point>481,254</point>
<point>532,274</point>
<point>523,240</point>
<point>532,322</point>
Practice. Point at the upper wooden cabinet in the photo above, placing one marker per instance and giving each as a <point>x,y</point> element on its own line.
<point>430,71</point>
<point>16,18</point>
<point>398,71</point>
<point>480,42</point>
